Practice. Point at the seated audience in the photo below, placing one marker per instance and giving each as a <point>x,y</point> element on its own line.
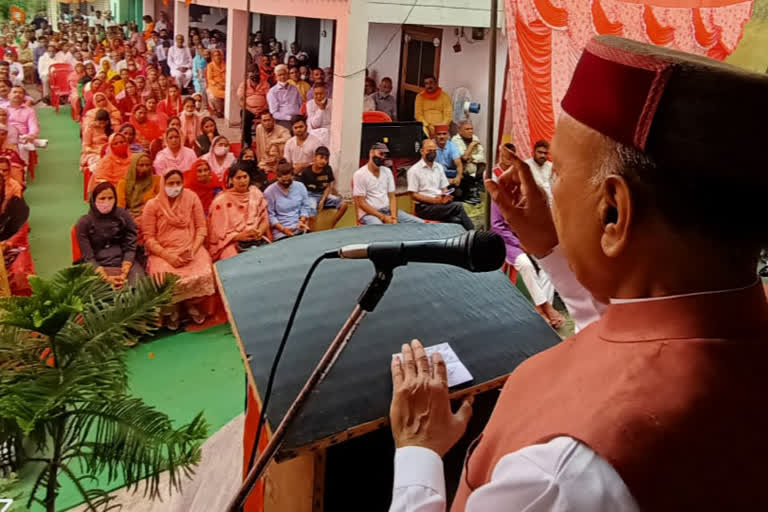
<point>172,105</point>
<point>299,151</point>
<point>8,151</point>
<point>373,189</point>
<point>24,120</point>
<point>13,134</point>
<point>200,180</point>
<point>191,123</point>
<point>107,238</point>
<point>384,100</point>
<point>95,137</point>
<point>449,156</point>
<point>428,187</point>
<point>219,158</point>
<point>295,79</point>
<point>432,106</point>
<point>238,218</point>
<point>99,101</point>
<point>254,103</point>
<point>270,142</point>
<point>113,165</point>
<point>516,256</point>
<point>174,230</point>
<point>208,132</point>
<point>319,180</point>
<point>215,80</point>
<point>179,61</point>
<point>11,186</point>
<point>541,167</point>
<point>318,77</point>
<point>139,185</point>
<point>283,99</point>
<point>199,63</point>
<point>319,111</point>
<point>287,204</point>
<point>175,155</point>
<point>146,130</point>
<point>128,99</point>
<point>472,159</point>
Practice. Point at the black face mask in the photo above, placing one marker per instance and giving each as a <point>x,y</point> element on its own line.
<point>378,161</point>
<point>431,156</point>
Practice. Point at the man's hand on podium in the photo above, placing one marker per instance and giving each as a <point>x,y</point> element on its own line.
<point>420,413</point>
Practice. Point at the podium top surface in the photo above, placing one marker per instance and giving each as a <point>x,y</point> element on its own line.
<point>485,319</point>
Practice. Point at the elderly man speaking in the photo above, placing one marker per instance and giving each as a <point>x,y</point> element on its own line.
<point>657,404</point>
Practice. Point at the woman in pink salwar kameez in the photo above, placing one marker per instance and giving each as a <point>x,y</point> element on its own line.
<point>174,232</point>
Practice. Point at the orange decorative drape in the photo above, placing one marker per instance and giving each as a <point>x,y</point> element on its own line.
<point>546,37</point>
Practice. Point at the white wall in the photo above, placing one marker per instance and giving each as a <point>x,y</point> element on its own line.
<point>285,30</point>
<point>325,53</point>
<point>466,69</point>
<point>468,13</point>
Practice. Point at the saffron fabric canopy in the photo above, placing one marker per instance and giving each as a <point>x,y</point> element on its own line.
<point>546,38</point>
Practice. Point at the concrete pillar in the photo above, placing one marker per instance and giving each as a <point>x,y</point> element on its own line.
<point>350,59</point>
<point>181,20</point>
<point>326,43</point>
<point>237,26</point>
<point>53,14</point>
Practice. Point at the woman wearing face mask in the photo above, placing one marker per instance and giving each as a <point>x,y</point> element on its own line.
<point>215,80</point>
<point>146,130</point>
<point>200,180</point>
<point>113,166</point>
<point>129,132</point>
<point>191,123</point>
<point>95,137</point>
<point>247,161</point>
<point>174,228</point>
<point>209,132</point>
<point>219,157</point>
<point>238,218</point>
<point>107,238</point>
<point>139,185</point>
<point>175,155</point>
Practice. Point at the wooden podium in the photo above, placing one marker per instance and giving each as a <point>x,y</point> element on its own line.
<point>338,454</point>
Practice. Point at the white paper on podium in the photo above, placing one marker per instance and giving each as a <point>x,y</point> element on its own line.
<point>457,372</point>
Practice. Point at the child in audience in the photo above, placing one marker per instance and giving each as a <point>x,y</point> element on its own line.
<point>319,180</point>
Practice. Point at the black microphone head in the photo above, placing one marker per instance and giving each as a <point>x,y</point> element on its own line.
<point>486,251</point>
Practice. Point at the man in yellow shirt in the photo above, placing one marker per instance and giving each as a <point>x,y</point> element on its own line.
<point>433,106</point>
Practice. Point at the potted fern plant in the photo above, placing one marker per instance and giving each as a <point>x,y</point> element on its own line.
<point>64,398</point>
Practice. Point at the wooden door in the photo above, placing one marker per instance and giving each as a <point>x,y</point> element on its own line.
<point>419,57</point>
<point>308,37</point>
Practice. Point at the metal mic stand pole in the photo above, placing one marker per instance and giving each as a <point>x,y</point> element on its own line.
<point>365,304</point>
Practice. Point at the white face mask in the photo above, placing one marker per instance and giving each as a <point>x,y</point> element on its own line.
<point>220,151</point>
<point>173,191</point>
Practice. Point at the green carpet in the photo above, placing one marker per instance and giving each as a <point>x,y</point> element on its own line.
<point>180,374</point>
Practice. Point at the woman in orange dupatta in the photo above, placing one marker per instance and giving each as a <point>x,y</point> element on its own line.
<point>146,130</point>
<point>100,102</point>
<point>74,96</point>
<point>215,80</point>
<point>153,115</point>
<point>95,137</point>
<point>200,180</point>
<point>174,232</point>
<point>238,219</point>
<point>128,99</point>
<point>114,165</point>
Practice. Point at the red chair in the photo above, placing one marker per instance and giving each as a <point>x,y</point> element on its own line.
<point>235,148</point>
<point>76,254</point>
<point>32,164</point>
<point>376,116</point>
<point>86,180</point>
<point>57,79</point>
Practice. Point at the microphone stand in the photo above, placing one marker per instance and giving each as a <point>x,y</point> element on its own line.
<point>366,303</point>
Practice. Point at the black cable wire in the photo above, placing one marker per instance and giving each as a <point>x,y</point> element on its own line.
<point>279,354</point>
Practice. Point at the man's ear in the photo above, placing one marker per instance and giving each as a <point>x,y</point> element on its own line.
<point>616,214</point>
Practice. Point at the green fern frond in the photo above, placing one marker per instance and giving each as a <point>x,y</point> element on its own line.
<point>129,438</point>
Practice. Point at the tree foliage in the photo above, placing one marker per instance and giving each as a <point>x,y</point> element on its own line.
<point>64,387</point>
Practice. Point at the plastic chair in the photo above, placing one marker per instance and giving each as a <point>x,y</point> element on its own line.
<point>235,148</point>
<point>57,79</point>
<point>76,254</point>
<point>376,116</point>
<point>86,180</point>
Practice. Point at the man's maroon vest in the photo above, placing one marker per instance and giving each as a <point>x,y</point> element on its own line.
<point>672,393</point>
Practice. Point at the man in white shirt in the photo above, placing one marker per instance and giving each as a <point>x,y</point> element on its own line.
<point>319,111</point>
<point>541,166</point>
<point>428,187</point>
<point>180,62</point>
<point>43,68</point>
<point>300,149</point>
<point>373,189</point>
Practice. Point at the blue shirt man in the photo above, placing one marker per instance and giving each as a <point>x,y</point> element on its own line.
<point>287,204</point>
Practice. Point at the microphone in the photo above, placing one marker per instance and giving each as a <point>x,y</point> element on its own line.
<point>476,251</point>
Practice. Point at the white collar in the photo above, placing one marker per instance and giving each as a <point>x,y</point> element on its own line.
<point>652,299</point>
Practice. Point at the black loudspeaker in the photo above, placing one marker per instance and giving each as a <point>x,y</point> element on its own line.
<point>402,138</point>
